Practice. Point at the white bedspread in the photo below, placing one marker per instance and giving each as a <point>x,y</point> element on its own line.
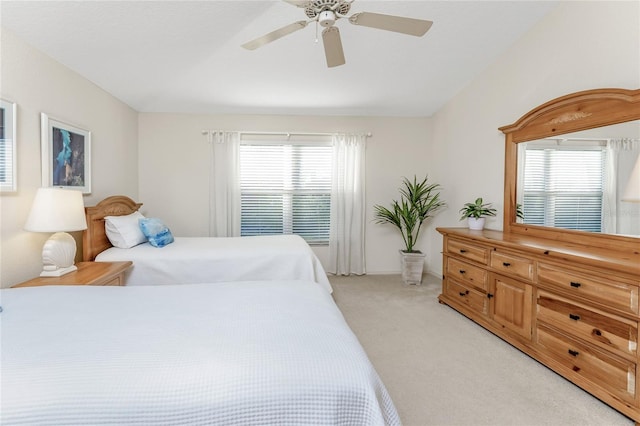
<point>243,353</point>
<point>206,260</point>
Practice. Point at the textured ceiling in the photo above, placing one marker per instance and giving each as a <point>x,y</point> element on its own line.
<point>185,56</point>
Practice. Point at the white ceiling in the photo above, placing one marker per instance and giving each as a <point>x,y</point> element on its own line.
<point>185,56</point>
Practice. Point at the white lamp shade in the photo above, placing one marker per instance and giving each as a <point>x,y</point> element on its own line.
<point>57,210</point>
<point>632,191</point>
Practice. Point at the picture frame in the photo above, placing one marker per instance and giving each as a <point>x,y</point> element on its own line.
<point>8,146</point>
<point>66,155</point>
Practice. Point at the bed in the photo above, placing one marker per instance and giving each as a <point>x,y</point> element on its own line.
<point>241,353</point>
<point>191,260</point>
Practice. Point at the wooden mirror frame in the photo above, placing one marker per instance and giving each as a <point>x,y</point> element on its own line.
<point>571,113</point>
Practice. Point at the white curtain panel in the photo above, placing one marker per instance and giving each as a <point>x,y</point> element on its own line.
<point>224,185</point>
<point>610,190</point>
<point>346,241</point>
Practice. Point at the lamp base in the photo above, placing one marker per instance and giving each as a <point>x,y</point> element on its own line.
<point>58,255</point>
<point>59,272</point>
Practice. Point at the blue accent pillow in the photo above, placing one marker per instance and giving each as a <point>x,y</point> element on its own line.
<point>156,232</point>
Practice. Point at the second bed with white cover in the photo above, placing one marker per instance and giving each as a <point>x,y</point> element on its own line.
<point>192,260</point>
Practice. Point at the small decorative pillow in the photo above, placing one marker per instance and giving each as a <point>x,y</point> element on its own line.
<point>124,231</point>
<point>156,231</point>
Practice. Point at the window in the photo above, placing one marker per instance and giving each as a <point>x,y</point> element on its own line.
<point>7,146</point>
<point>564,187</point>
<point>286,189</point>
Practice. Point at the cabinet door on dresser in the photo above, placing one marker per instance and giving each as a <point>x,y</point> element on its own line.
<point>511,304</point>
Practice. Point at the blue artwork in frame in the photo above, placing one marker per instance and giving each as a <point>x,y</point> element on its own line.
<point>66,155</point>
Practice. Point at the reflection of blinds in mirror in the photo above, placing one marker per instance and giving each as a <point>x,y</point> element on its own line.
<point>564,188</point>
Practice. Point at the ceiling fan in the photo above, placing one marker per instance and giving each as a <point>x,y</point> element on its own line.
<point>327,12</point>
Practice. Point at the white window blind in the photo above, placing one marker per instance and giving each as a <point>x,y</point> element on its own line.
<point>6,163</point>
<point>7,146</point>
<point>286,189</point>
<point>564,188</point>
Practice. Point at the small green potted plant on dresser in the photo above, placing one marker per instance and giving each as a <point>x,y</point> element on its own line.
<point>476,212</point>
<point>418,202</point>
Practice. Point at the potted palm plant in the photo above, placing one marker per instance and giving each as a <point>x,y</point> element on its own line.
<point>418,201</point>
<point>476,212</point>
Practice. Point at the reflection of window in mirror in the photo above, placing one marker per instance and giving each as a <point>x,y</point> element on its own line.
<point>573,184</point>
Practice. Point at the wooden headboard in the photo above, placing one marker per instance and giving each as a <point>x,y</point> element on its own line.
<point>94,239</point>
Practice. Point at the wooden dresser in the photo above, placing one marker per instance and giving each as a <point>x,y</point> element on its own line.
<point>573,308</point>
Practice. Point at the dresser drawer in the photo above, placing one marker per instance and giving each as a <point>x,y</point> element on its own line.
<point>467,273</point>
<point>510,264</point>
<point>604,291</point>
<point>615,375</point>
<point>468,251</point>
<point>606,331</point>
<point>468,296</point>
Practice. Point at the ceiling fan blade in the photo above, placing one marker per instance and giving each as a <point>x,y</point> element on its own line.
<point>299,3</point>
<point>398,24</point>
<point>333,47</point>
<point>274,35</point>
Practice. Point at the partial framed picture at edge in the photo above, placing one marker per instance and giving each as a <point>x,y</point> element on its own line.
<point>66,155</point>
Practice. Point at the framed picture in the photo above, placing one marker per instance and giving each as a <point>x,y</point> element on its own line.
<point>8,163</point>
<point>66,155</point>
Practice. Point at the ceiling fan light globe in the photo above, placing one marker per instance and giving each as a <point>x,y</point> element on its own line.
<point>327,18</point>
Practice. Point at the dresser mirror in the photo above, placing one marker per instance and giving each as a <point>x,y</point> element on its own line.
<point>567,163</point>
<point>576,180</point>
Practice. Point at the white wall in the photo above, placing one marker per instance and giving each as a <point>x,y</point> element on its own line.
<point>39,84</point>
<point>578,46</point>
<point>174,168</point>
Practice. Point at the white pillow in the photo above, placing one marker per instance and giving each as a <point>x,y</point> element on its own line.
<point>124,231</point>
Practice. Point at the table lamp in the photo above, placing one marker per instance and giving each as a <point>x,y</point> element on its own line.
<point>57,210</point>
<point>632,191</point>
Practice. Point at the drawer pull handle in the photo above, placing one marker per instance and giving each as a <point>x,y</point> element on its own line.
<point>575,284</point>
<point>463,251</point>
<point>465,293</point>
<point>507,264</point>
<point>574,317</point>
<point>489,295</point>
<point>573,353</point>
<point>597,332</point>
<point>462,271</point>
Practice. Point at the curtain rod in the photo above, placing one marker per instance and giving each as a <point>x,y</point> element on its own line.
<point>287,134</point>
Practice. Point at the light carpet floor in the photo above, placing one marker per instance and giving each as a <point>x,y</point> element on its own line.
<point>440,368</point>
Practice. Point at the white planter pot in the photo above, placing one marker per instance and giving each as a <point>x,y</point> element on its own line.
<point>412,267</point>
<point>476,224</point>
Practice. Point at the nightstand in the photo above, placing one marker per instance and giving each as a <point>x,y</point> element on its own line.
<point>88,273</point>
